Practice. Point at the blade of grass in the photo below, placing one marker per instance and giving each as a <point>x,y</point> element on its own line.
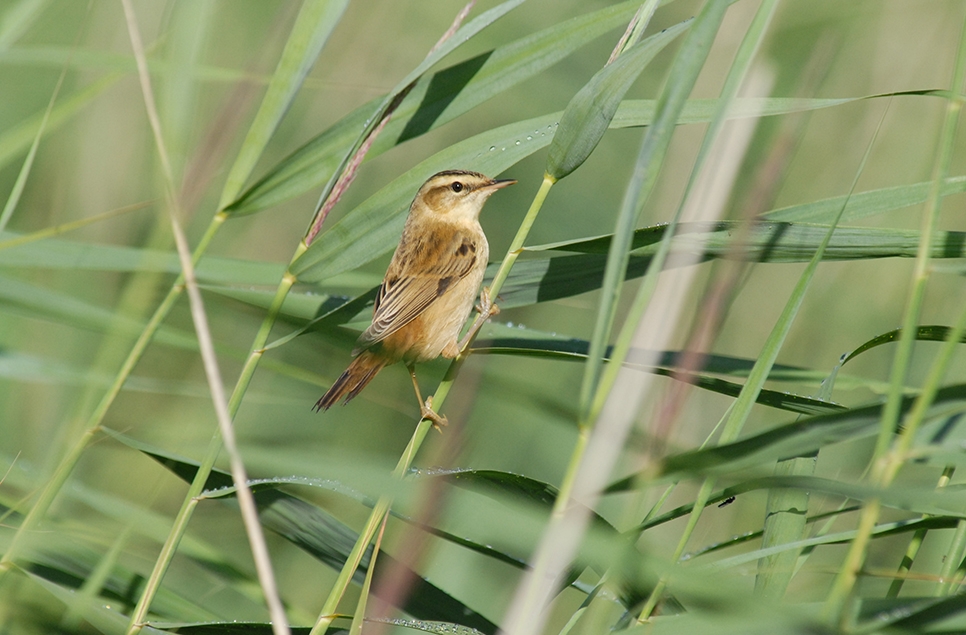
<point>527,611</point>
<point>14,198</point>
<point>360,613</point>
<point>249,513</point>
<point>65,467</point>
<point>797,437</point>
<point>886,462</point>
<point>19,138</point>
<point>576,350</point>
<point>589,113</point>
<point>372,228</point>
<point>912,549</point>
<point>433,101</point>
<point>71,226</point>
<point>135,354</point>
<point>756,379</point>
<point>313,26</point>
<point>609,382</point>
<point>320,534</point>
<point>375,123</point>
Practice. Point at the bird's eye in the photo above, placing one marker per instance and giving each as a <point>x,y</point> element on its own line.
<point>456,186</point>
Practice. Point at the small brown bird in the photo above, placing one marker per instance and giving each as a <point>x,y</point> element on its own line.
<point>430,286</point>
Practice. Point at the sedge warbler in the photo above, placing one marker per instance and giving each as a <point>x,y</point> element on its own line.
<point>429,288</point>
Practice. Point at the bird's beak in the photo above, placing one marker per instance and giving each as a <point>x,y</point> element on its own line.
<point>498,184</point>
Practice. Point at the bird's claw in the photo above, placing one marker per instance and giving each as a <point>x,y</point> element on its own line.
<point>486,307</point>
<point>427,412</point>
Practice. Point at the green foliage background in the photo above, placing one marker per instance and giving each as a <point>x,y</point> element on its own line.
<point>74,299</point>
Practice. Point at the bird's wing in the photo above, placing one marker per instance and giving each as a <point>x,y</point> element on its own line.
<point>422,269</point>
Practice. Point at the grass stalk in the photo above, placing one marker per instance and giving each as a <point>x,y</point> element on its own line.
<point>630,331</point>
<point>312,28</point>
<point>249,513</point>
<point>14,198</point>
<point>516,246</point>
<point>596,390</point>
<point>600,434</point>
<point>359,616</point>
<point>756,378</point>
<point>208,461</point>
<point>952,561</point>
<point>53,486</point>
<point>170,546</point>
<point>886,462</point>
<point>912,549</point>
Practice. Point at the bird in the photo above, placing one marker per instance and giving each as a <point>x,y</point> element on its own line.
<point>429,288</point>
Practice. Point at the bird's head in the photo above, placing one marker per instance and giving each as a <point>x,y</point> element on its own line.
<point>457,194</point>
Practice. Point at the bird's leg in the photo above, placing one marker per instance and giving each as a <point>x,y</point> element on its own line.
<point>426,407</point>
<point>487,310</point>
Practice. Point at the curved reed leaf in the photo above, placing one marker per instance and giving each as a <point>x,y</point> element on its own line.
<point>102,617</point>
<point>555,277</point>
<point>576,350</point>
<point>433,101</point>
<point>589,113</point>
<point>926,333</point>
<point>373,228</point>
<point>924,499</point>
<point>864,204</point>
<point>314,24</point>
<point>323,536</point>
<point>914,614</point>
<point>774,242</point>
<point>802,436</point>
<point>882,530</point>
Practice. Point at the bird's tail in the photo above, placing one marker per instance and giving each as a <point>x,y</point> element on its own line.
<point>359,373</point>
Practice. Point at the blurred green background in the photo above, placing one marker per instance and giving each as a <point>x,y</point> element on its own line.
<point>65,329</point>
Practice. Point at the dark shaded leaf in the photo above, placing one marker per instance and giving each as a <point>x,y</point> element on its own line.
<point>796,438</point>
<point>576,350</point>
<point>433,101</point>
<point>929,333</point>
<point>324,537</point>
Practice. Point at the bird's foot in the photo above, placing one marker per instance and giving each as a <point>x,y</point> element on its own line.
<point>486,308</point>
<point>427,412</point>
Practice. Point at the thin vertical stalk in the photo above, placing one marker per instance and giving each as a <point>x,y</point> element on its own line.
<point>886,463</point>
<point>912,550</point>
<point>64,469</point>
<point>253,529</point>
<point>516,246</point>
<point>952,561</point>
<point>699,502</point>
<point>359,616</point>
<point>601,429</point>
<point>18,186</point>
<point>208,461</point>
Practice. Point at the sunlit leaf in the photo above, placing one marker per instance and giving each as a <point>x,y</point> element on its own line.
<point>589,113</point>
<point>433,101</point>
